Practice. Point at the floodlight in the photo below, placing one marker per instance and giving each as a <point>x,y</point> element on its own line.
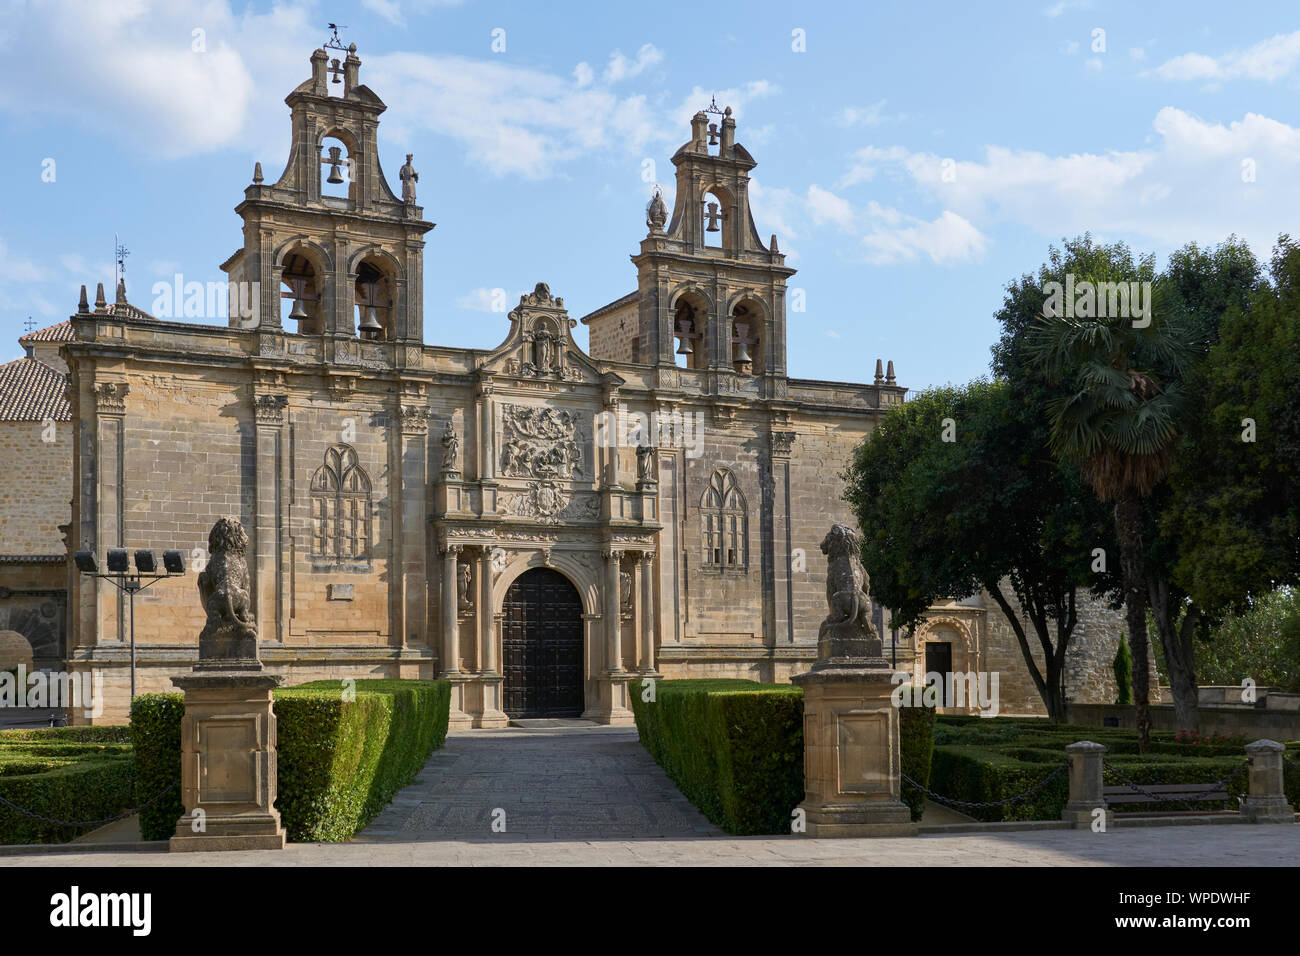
<point>145,562</point>
<point>173,562</point>
<point>117,560</point>
<point>85,561</point>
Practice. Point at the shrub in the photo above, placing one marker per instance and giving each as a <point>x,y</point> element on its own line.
<point>339,762</point>
<point>1123,666</point>
<point>89,788</point>
<point>735,748</point>
<point>156,734</point>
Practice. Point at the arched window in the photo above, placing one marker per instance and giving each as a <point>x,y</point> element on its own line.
<point>724,521</point>
<point>340,507</point>
<point>690,326</point>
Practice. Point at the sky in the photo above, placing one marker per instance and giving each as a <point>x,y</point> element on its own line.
<point>913,158</point>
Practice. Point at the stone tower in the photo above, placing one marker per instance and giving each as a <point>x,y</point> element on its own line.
<point>710,292</point>
<point>329,243</point>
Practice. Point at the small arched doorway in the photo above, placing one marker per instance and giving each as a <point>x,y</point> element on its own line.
<point>541,646</point>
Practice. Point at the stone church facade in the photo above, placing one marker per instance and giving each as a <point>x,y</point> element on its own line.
<point>538,524</point>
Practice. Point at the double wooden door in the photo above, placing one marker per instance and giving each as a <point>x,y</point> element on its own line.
<point>542,646</point>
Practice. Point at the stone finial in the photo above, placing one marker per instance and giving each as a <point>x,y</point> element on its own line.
<point>229,639</point>
<point>100,302</point>
<point>83,306</point>
<point>847,632</point>
<point>257,173</point>
<point>773,247</point>
<point>880,374</point>
<point>121,292</point>
<point>889,374</point>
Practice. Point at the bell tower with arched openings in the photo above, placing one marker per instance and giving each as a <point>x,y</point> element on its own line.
<point>711,294</point>
<point>329,248</point>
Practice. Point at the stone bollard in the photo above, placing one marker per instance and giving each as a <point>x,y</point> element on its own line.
<point>1266,802</point>
<point>1086,794</point>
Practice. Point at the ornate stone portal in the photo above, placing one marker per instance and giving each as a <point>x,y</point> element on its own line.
<point>851,734</point>
<point>228,756</point>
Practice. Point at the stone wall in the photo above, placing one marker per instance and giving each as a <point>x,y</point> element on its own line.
<point>37,487</point>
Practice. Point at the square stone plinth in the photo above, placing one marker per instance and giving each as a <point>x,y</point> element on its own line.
<point>852,773</point>
<point>228,763</point>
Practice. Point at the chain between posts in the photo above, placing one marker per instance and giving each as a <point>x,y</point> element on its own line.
<point>87,823</point>
<point>981,805</point>
<point>1166,798</point>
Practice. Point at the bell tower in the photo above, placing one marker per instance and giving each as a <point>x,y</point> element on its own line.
<point>329,249</point>
<point>711,293</point>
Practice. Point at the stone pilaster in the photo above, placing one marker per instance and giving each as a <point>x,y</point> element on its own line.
<point>411,604</point>
<point>489,623</point>
<point>645,576</point>
<point>268,565</point>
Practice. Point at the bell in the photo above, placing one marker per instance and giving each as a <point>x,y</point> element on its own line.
<point>370,326</point>
<point>336,70</point>
<point>299,311</point>
<point>742,351</point>
<point>713,134</point>
<point>713,215</point>
<point>335,159</point>
<point>684,346</point>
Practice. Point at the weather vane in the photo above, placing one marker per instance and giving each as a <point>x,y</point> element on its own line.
<point>29,325</point>
<point>120,252</point>
<point>713,105</point>
<point>334,43</point>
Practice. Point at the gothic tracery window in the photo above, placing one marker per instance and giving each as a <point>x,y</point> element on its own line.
<point>725,523</point>
<point>340,507</point>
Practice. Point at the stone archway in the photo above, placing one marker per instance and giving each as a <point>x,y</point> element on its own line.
<point>542,646</point>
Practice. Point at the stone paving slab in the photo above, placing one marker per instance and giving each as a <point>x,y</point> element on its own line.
<point>1227,846</point>
<point>554,781</point>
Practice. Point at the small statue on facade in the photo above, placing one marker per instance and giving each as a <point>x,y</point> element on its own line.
<point>656,213</point>
<point>463,600</point>
<point>645,464</point>
<point>847,631</point>
<point>450,448</point>
<point>230,635</point>
<point>409,178</point>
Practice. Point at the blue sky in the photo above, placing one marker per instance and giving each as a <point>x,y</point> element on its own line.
<point>913,158</point>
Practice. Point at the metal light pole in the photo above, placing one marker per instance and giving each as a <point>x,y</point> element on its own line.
<point>146,575</point>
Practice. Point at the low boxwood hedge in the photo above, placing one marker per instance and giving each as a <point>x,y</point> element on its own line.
<point>734,748</point>
<point>339,761</point>
<point>90,788</point>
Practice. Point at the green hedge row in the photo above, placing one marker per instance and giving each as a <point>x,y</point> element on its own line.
<point>986,760</point>
<point>339,761</point>
<point>65,773</point>
<point>735,748</point>
<point>156,735</point>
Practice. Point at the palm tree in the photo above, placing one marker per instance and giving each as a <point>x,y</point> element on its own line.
<point>1117,419</point>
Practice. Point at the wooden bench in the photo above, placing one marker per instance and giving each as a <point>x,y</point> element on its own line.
<point>1174,792</point>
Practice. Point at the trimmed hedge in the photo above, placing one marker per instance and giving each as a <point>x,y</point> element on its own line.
<point>65,773</point>
<point>989,759</point>
<point>339,762</point>
<point>734,748</point>
<point>156,733</point>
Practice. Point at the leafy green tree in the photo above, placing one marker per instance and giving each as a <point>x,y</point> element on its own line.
<point>1123,667</point>
<point>954,492</point>
<point>1261,643</point>
<point>1117,414</point>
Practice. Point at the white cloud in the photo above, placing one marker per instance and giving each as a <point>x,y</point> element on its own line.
<point>947,240</point>
<point>873,115</point>
<point>1269,60</point>
<point>583,74</point>
<point>483,300</point>
<point>1187,185</point>
<point>824,206</point>
<point>621,68</point>
<point>18,269</point>
<point>390,10</point>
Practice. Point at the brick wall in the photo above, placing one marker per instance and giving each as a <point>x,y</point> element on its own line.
<point>37,487</point>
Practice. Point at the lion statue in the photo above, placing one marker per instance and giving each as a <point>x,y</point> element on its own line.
<point>847,630</point>
<point>231,632</point>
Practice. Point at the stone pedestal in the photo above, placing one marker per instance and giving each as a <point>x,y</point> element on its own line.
<point>1086,787</point>
<point>851,750</point>
<point>228,768</point>
<point>1266,802</point>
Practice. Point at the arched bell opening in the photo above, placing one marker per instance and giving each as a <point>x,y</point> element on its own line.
<point>336,168</point>
<point>690,328</point>
<point>302,285</point>
<point>747,346</point>
<point>373,295</point>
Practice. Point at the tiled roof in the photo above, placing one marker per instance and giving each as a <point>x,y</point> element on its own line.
<point>31,391</point>
<point>55,333</point>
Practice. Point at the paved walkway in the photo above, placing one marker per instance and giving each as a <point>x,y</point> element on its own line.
<point>550,783</point>
<point>594,797</point>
